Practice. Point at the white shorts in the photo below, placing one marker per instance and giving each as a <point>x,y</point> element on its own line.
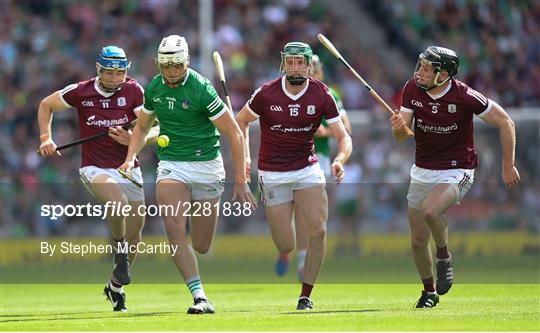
<point>277,187</point>
<point>205,179</point>
<point>324,161</point>
<point>133,193</point>
<point>424,180</point>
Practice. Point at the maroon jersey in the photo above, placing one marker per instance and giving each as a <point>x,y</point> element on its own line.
<point>444,124</point>
<point>288,123</point>
<point>98,111</point>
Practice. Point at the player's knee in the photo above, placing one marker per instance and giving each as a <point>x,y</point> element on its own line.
<point>429,215</point>
<point>201,247</point>
<point>318,235</point>
<point>419,243</point>
<point>175,231</point>
<point>285,247</point>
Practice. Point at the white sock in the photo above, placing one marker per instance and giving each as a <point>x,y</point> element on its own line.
<point>443,260</point>
<point>301,257</point>
<point>195,287</point>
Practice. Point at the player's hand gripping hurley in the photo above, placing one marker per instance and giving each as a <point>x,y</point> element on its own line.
<point>324,41</point>
<point>94,137</point>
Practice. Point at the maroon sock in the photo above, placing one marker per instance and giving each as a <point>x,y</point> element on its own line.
<point>429,284</point>
<point>284,256</point>
<point>442,252</point>
<point>306,289</point>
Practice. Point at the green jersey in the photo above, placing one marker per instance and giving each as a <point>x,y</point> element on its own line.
<point>322,145</point>
<point>185,115</point>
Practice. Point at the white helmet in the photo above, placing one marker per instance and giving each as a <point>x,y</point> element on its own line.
<point>173,49</point>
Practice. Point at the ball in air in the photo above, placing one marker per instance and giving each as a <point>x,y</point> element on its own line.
<point>163,141</point>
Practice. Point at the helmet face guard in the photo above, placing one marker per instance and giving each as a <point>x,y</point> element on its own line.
<point>297,49</point>
<point>112,58</point>
<point>441,59</point>
<point>173,51</point>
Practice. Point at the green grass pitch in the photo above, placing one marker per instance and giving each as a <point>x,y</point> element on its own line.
<point>468,307</point>
<point>355,294</point>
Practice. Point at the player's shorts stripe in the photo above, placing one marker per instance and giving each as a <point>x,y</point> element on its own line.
<point>463,181</point>
<point>261,190</point>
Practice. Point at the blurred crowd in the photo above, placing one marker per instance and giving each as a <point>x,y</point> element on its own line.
<point>497,41</point>
<point>46,45</point>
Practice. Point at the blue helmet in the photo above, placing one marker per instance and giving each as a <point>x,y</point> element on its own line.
<point>112,57</point>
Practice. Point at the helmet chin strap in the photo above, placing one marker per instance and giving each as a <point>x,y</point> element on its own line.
<point>172,83</point>
<point>296,80</point>
<point>180,79</point>
<point>110,90</point>
<point>435,83</point>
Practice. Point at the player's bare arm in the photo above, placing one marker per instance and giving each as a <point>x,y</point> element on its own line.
<point>243,118</point>
<point>400,121</point>
<point>228,127</point>
<point>48,105</point>
<point>323,132</point>
<point>346,121</point>
<point>344,149</point>
<point>138,139</point>
<point>507,135</point>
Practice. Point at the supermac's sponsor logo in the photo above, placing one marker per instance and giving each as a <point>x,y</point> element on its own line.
<point>436,129</point>
<point>281,128</point>
<point>92,121</point>
<point>276,108</point>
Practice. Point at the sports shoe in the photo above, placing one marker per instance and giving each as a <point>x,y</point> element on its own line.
<point>304,303</point>
<point>445,276</point>
<point>121,269</point>
<point>118,300</point>
<point>427,300</point>
<point>282,264</point>
<point>201,306</point>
